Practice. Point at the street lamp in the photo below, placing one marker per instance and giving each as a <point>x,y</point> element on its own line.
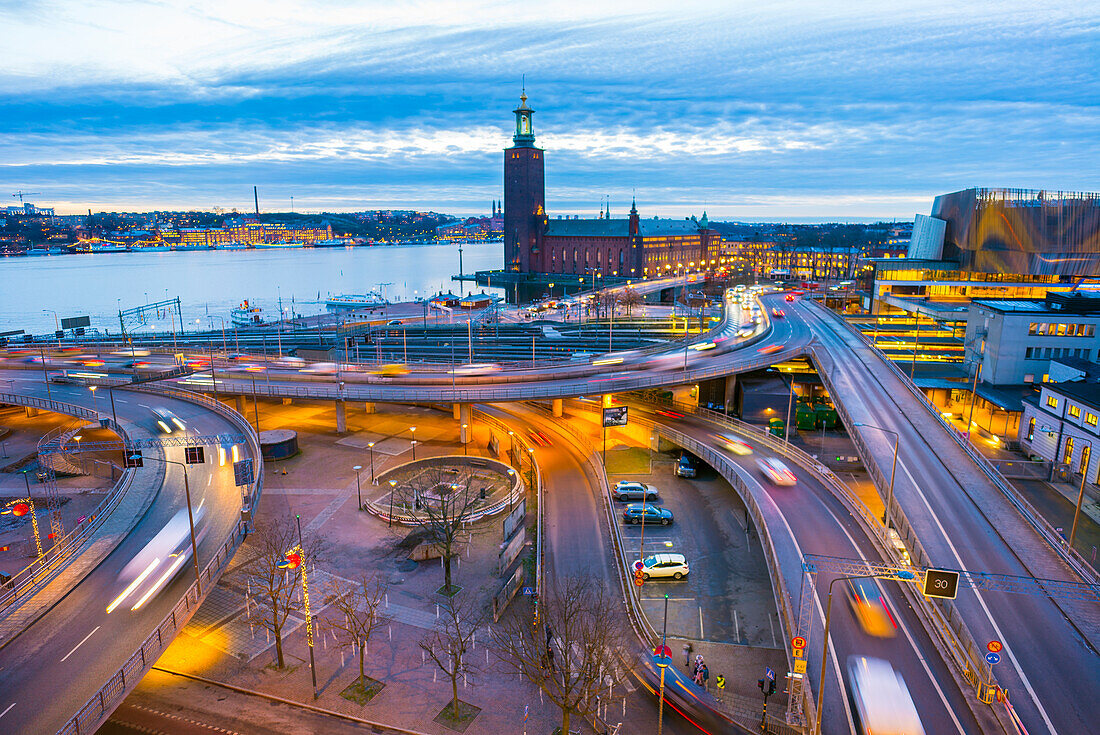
<point>57,324</point>
<point>190,516</point>
<point>370,448</point>
<point>393,489</point>
<point>412,433</point>
<point>899,574</point>
<point>414,449</point>
<point>663,658</point>
<point>358,492</point>
<point>893,470</point>
<point>1081,494</point>
<point>464,438</point>
<point>95,404</point>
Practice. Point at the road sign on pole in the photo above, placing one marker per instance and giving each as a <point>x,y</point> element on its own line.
<point>798,642</point>
<point>941,583</point>
<point>769,673</point>
<point>993,658</point>
<point>994,646</point>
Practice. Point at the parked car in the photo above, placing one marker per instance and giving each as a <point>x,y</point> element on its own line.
<point>776,472</point>
<point>637,513</point>
<point>631,490</point>
<point>665,565</point>
<point>167,421</point>
<point>869,608</point>
<point>687,466</point>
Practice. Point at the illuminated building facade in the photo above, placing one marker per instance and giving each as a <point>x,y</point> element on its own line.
<point>625,248</point>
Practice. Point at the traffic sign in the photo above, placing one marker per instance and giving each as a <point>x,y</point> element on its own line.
<point>800,666</point>
<point>994,646</point>
<point>528,590</point>
<point>993,658</point>
<point>798,642</point>
<point>941,583</point>
<point>768,673</point>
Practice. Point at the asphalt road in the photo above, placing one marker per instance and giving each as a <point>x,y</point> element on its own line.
<point>55,665</point>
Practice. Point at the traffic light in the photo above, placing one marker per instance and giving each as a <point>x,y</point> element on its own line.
<point>767,686</point>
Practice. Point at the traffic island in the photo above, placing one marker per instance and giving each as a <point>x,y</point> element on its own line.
<point>415,493</point>
<point>362,691</point>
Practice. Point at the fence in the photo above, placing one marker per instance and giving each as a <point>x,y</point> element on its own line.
<point>103,702</point>
<point>35,575</point>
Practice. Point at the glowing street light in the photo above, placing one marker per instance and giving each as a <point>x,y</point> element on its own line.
<point>358,492</point>
<point>370,447</point>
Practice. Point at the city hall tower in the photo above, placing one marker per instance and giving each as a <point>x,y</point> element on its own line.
<point>524,193</point>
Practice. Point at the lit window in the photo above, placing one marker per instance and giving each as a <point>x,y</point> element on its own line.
<point>1090,418</point>
<point>1067,456</point>
<point>1031,429</point>
<point>1075,411</point>
<point>1052,401</point>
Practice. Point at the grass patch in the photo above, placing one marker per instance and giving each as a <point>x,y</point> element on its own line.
<point>288,669</point>
<point>363,691</point>
<point>457,717</point>
<point>628,461</point>
<point>454,590</point>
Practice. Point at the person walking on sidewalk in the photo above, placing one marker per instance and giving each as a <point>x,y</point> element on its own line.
<point>704,674</point>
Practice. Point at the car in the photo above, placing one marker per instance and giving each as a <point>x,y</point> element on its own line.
<point>167,421</point>
<point>775,471</point>
<point>727,442</point>
<point>631,490</point>
<point>665,565</point>
<point>686,466</point>
<point>778,313</point>
<point>393,323</point>
<point>636,513</point>
<point>538,438</point>
<point>789,297</point>
<point>391,371</point>
<point>869,608</point>
<point>477,368</point>
<point>882,701</point>
<point>770,349</point>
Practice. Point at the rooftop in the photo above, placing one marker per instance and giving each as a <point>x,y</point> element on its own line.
<point>654,227</point>
<point>1088,393</point>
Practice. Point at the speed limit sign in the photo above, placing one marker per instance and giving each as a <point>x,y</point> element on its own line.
<point>941,583</point>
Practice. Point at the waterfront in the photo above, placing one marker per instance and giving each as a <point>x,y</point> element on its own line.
<point>212,282</point>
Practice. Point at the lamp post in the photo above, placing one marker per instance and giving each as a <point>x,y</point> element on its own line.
<point>309,617</point>
<point>900,574</point>
<point>893,471</point>
<point>1081,494</point>
<point>190,516</point>
<point>465,452</point>
<point>663,659</point>
<point>56,323</point>
<point>412,433</point>
<point>370,448</point>
<point>393,488</point>
<point>95,404</point>
<point>358,492</point>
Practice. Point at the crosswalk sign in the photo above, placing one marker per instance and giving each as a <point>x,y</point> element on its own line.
<point>528,591</point>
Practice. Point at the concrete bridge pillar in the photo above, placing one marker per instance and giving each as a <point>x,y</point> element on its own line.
<point>287,401</point>
<point>556,407</point>
<point>369,408</point>
<point>730,392</point>
<point>457,408</point>
<point>686,394</point>
<point>30,412</point>
<point>240,405</point>
<point>605,400</point>
<point>466,416</point>
<point>341,417</point>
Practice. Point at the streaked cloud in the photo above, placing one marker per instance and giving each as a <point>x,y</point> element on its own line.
<point>798,108</point>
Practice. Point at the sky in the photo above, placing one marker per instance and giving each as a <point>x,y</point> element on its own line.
<point>782,111</point>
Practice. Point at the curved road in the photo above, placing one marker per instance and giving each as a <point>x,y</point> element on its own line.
<point>54,666</point>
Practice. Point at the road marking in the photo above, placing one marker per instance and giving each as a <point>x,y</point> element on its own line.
<point>701,636</point>
<point>143,405</point>
<point>981,601</point>
<point>7,710</point>
<point>78,645</point>
<point>209,480</point>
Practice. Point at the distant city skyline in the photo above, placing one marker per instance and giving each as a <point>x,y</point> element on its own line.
<point>790,112</point>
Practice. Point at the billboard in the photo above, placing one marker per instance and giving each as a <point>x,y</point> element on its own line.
<point>73,322</point>
<point>614,416</point>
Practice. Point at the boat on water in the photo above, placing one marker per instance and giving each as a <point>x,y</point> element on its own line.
<point>356,301</point>
<point>247,315</point>
<point>336,242</point>
<point>104,247</point>
<point>283,245</point>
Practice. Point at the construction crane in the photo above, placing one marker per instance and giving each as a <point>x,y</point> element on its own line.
<point>22,194</point>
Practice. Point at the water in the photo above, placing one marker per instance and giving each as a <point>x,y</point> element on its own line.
<point>210,283</point>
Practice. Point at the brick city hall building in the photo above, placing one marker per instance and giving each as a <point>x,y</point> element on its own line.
<point>626,248</point>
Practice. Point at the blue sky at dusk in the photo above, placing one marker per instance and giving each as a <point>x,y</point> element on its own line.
<point>754,110</point>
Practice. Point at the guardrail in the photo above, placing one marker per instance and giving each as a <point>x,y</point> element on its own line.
<point>1046,531</point>
<point>103,702</point>
<point>35,575</point>
<point>409,519</point>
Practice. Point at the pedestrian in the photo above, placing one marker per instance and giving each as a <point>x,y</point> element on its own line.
<point>698,664</point>
<point>687,655</point>
<point>704,673</point>
<point>698,678</point>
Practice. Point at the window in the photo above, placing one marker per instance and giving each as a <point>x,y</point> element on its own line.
<point>1075,411</point>
<point>1029,378</point>
<point>1090,418</point>
<point>1085,452</point>
<point>1052,401</point>
<point>1031,429</point>
<point>1032,328</point>
<point>1061,330</point>
<point>1067,456</point>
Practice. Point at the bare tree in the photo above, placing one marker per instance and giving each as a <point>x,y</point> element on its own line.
<point>358,606</point>
<point>441,502</point>
<point>629,299</point>
<point>605,303</point>
<point>275,588</point>
<point>574,652</point>
<point>452,639</point>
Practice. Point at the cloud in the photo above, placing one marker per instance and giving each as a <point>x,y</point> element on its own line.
<point>718,102</point>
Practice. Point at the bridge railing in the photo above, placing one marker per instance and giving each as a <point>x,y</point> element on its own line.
<point>34,576</point>
<point>1044,528</point>
<point>103,702</point>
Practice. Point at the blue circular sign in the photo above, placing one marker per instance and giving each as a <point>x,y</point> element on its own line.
<point>993,658</point>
